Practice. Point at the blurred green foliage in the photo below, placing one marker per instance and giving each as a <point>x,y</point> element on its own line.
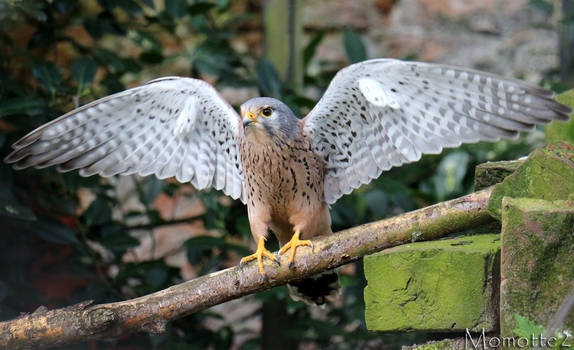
<point>58,54</point>
<point>526,328</point>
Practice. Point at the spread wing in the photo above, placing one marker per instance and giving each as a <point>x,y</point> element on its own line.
<point>171,126</point>
<point>383,113</point>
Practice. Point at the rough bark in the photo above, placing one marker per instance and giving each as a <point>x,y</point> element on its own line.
<point>151,313</point>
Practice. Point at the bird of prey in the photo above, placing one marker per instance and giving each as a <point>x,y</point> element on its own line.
<point>374,115</point>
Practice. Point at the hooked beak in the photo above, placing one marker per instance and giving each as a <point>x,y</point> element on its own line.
<point>248,119</point>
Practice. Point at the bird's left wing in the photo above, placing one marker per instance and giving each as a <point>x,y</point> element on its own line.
<point>171,126</point>
<point>383,113</point>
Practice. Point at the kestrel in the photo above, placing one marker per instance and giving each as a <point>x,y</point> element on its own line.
<point>374,115</point>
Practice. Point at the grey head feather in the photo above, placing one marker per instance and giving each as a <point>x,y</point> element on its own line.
<point>283,120</point>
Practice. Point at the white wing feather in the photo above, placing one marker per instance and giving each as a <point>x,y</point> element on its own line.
<point>171,126</point>
<point>383,113</point>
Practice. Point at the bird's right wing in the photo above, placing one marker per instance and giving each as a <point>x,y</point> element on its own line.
<point>171,126</point>
<point>382,113</point>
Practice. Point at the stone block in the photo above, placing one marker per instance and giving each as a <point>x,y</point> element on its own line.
<point>446,344</point>
<point>461,343</point>
<point>547,174</point>
<point>537,260</point>
<point>559,131</point>
<point>492,173</point>
<point>445,285</point>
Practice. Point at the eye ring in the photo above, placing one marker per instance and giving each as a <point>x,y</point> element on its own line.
<point>267,111</point>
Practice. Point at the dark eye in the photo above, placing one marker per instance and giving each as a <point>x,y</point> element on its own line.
<point>267,111</point>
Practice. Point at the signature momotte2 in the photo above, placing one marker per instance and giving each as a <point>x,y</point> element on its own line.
<point>535,340</point>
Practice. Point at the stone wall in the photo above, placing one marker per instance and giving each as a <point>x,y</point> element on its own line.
<point>508,37</point>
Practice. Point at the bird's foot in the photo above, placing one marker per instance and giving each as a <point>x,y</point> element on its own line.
<point>293,244</point>
<point>259,254</point>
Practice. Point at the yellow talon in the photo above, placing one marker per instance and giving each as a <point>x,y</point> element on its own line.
<point>259,254</point>
<point>293,244</point>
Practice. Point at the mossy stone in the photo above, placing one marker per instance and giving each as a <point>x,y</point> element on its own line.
<point>548,174</point>
<point>432,345</point>
<point>445,285</point>
<point>560,131</point>
<point>537,260</point>
<point>491,173</point>
<point>447,344</point>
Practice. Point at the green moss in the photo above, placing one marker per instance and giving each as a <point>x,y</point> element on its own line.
<point>537,259</point>
<point>466,244</point>
<point>547,174</point>
<point>438,286</point>
<point>559,131</point>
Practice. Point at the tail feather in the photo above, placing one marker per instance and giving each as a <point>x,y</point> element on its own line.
<point>316,290</point>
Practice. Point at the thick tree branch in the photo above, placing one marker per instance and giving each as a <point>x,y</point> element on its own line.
<point>150,313</point>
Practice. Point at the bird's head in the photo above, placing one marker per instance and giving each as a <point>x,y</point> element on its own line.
<point>268,117</point>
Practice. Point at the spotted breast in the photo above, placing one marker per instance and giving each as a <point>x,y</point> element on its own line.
<point>284,184</point>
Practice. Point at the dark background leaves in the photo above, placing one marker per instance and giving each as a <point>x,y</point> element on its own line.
<point>58,249</point>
